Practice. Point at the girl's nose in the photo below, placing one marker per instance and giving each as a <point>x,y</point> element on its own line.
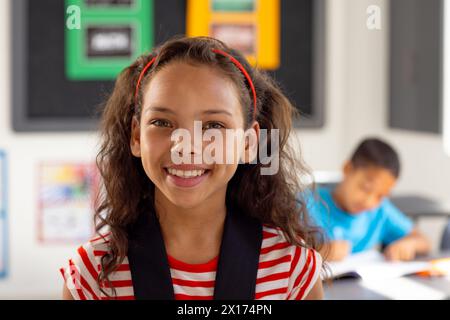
<point>181,149</point>
<point>188,144</point>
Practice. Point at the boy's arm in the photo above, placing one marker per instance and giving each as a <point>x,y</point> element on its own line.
<point>408,247</point>
<point>403,240</point>
<point>422,243</point>
<point>335,250</point>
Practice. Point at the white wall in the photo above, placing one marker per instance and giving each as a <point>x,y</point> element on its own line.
<point>33,271</point>
<point>355,101</point>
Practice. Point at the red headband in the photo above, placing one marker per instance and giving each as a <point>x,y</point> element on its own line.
<point>223,53</point>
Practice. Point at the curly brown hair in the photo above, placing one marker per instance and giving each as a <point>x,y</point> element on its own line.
<point>276,200</point>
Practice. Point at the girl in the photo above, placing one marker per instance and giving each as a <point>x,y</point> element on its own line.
<point>196,230</point>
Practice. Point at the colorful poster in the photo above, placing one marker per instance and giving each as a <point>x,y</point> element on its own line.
<point>3,221</point>
<point>251,26</point>
<point>66,202</point>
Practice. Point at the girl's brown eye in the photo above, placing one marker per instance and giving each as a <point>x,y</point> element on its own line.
<point>213,125</point>
<point>161,123</point>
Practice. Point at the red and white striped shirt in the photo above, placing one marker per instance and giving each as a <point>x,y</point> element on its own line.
<point>285,272</point>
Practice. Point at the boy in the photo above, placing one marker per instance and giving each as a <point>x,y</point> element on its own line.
<point>356,215</point>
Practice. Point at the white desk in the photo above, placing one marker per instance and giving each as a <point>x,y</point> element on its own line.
<point>410,287</point>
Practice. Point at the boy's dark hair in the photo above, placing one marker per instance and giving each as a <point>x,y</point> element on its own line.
<point>375,152</point>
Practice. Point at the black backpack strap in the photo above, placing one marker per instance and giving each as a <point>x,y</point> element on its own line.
<point>149,266</point>
<point>239,258</point>
<point>237,266</point>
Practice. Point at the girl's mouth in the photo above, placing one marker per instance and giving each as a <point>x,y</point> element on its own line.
<point>186,178</point>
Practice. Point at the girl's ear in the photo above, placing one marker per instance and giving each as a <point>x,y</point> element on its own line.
<point>135,143</point>
<point>251,140</point>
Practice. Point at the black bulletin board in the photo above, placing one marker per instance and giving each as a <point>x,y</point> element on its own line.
<point>416,64</point>
<point>301,74</point>
<point>45,100</point>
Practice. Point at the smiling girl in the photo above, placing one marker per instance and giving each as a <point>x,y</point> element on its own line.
<point>194,230</point>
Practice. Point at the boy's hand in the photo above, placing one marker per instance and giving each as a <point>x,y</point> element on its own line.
<point>339,249</point>
<point>401,250</point>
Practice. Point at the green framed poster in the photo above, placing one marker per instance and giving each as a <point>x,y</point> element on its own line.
<point>110,35</point>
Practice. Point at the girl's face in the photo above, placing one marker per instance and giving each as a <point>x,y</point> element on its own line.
<point>177,95</point>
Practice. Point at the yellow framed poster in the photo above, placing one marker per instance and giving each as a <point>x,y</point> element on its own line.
<point>250,26</point>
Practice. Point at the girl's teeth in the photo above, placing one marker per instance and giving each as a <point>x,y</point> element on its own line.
<point>186,174</point>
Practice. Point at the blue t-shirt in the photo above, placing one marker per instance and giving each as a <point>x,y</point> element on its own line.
<point>365,230</point>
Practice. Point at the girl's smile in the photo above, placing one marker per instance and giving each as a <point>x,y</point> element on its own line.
<point>186,176</point>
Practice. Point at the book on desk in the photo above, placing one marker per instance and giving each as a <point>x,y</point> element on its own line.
<point>371,265</point>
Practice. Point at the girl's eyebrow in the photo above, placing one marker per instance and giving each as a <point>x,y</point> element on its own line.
<point>159,109</point>
<point>216,111</point>
<point>206,112</point>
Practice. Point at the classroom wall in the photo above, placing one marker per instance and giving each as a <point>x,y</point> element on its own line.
<point>426,167</point>
<point>356,104</point>
<point>33,268</point>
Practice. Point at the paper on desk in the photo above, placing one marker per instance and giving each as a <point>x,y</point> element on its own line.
<point>372,265</point>
<point>403,289</point>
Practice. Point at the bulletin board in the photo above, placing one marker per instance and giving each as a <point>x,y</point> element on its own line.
<point>415,65</point>
<point>61,78</point>
<point>58,88</point>
<point>3,217</point>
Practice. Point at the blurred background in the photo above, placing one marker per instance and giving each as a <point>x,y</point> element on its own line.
<point>354,69</point>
